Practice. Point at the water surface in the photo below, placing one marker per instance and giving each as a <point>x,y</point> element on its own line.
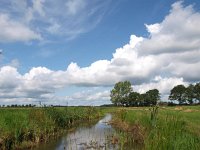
<point>90,137</point>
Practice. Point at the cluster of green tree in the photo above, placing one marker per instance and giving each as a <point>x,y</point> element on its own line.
<point>123,95</point>
<point>17,105</point>
<point>185,95</point>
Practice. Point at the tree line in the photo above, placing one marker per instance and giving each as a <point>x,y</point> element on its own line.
<point>18,105</point>
<point>123,95</point>
<point>185,95</point>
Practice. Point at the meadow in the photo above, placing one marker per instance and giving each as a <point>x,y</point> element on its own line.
<point>25,127</point>
<point>158,128</point>
<point>148,128</point>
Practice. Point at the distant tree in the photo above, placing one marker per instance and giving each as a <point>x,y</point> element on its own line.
<point>143,100</point>
<point>120,93</point>
<point>152,97</point>
<point>178,93</point>
<point>134,99</point>
<point>189,95</point>
<point>197,91</point>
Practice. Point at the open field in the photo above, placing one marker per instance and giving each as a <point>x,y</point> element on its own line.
<point>25,127</point>
<point>159,128</point>
<point>136,127</point>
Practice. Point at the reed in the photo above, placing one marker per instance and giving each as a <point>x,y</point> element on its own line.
<point>25,127</point>
<point>162,128</point>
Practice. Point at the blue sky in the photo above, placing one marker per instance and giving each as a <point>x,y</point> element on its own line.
<point>71,48</point>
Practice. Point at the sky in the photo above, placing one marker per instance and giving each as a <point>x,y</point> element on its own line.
<point>72,52</point>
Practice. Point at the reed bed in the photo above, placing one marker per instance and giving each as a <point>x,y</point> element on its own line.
<point>160,128</point>
<point>26,127</point>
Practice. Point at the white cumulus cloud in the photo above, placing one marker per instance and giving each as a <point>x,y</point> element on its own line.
<point>178,32</point>
<point>167,57</point>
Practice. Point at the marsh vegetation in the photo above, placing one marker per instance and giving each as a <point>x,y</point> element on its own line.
<point>26,127</point>
<point>85,128</point>
<point>163,128</point>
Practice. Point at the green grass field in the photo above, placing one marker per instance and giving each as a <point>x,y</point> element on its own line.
<point>167,128</point>
<point>25,127</point>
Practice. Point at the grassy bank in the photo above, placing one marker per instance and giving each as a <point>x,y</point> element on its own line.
<point>25,127</point>
<point>159,129</point>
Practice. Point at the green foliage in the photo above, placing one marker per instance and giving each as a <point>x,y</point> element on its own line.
<point>122,114</point>
<point>32,125</point>
<point>184,94</point>
<point>154,115</point>
<point>120,93</point>
<point>197,91</point>
<point>189,94</point>
<point>172,128</point>
<point>134,99</point>
<point>152,97</point>
<point>178,93</point>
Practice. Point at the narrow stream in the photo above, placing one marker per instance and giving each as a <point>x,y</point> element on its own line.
<point>98,136</point>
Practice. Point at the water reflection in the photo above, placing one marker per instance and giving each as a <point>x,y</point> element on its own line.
<point>94,137</point>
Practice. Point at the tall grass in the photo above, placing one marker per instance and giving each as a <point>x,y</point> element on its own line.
<point>25,127</point>
<point>165,128</point>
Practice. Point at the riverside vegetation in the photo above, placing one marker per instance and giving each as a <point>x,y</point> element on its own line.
<point>148,128</point>
<point>153,128</point>
<point>26,127</point>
